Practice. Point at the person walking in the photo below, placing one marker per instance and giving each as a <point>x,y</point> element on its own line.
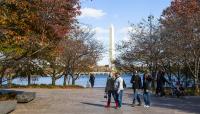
<point>92,80</point>
<point>110,91</point>
<point>119,82</point>
<point>147,79</point>
<point>136,86</point>
<point>161,80</point>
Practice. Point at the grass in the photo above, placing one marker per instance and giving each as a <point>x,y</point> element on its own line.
<point>8,96</point>
<point>188,92</point>
<point>47,86</point>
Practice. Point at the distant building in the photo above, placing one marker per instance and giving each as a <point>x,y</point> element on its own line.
<point>101,68</point>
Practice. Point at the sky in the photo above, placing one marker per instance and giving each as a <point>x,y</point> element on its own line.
<point>100,14</point>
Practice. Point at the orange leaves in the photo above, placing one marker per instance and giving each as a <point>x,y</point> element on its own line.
<point>184,7</point>
<point>32,25</point>
<point>59,14</point>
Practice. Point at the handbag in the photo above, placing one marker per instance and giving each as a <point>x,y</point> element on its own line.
<point>105,96</point>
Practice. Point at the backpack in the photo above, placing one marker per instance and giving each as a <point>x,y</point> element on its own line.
<point>124,84</point>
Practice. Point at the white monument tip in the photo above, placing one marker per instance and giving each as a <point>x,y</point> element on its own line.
<point>111,26</point>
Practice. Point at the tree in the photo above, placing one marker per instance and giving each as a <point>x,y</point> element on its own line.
<point>181,20</point>
<point>143,45</point>
<point>30,27</point>
<point>79,52</point>
<point>52,66</point>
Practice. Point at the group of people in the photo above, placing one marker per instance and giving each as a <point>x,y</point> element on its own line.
<point>141,85</point>
<point>115,86</point>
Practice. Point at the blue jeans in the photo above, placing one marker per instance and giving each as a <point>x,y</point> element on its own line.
<point>119,98</point>
<point>147,98</point>
<point>136,95</point>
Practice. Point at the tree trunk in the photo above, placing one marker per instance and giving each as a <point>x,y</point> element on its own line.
<point>1,76</point>
<point>9,81</point>
<point>1,80</point>
<point>68,80</point>
<point>53,81</point>
<point>179,77</point>
<point>196,86</point>
<point>73,81</point>
<point>170,72</point>
<point>186,79</point>
<point>65,80</point>
<point>29,79</point>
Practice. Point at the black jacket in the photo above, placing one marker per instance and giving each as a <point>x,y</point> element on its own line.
<point>147,83</point>
<point>110,84</point>
<point>161,80</point>
<point>92,79</point>
<point>136,82</point>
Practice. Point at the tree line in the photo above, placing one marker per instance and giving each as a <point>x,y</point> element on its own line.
<point>44,37</point>
<point>170,43</point>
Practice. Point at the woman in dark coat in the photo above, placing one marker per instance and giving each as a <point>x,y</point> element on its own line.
<point>110,90</point>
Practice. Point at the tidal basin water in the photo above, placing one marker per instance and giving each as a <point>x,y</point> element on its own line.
<point>100,80</point>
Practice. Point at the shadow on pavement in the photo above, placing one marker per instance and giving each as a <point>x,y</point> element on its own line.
<point>189,104</point>
<point>127,104</point>
<point>93,104</point>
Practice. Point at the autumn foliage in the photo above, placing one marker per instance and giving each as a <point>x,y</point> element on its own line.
<point>181,22</point>
<point>32,29</point>
<point>34,24</point>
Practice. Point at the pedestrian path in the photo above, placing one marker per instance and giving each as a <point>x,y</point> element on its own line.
<point>91,101</point>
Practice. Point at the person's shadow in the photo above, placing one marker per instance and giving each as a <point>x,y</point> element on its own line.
<point>127,104</point>
<point>101,105</point>
<point>93,104</point>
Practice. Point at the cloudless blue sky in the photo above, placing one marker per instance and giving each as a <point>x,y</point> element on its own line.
<point>119,13</point>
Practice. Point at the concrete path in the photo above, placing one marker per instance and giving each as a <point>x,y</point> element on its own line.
<point>91,101</point>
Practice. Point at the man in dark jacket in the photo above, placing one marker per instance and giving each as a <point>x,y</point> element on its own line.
<point>160,83</point>
<point>136,85</point>
<point>147,79</point>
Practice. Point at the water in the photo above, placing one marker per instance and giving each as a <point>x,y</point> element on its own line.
<point>100,80</point>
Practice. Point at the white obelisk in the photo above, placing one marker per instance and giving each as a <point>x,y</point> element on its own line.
<point>111,46</point>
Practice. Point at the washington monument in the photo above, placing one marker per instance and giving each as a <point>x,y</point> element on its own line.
<point>111,46</point>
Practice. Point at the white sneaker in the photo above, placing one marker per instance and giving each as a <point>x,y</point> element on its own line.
<point>147,106</point>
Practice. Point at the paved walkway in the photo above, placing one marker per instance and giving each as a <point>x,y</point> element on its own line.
<point>91,101</point>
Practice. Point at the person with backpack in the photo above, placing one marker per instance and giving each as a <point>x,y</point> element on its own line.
<point>119,87</point>
<point>136,86</point>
